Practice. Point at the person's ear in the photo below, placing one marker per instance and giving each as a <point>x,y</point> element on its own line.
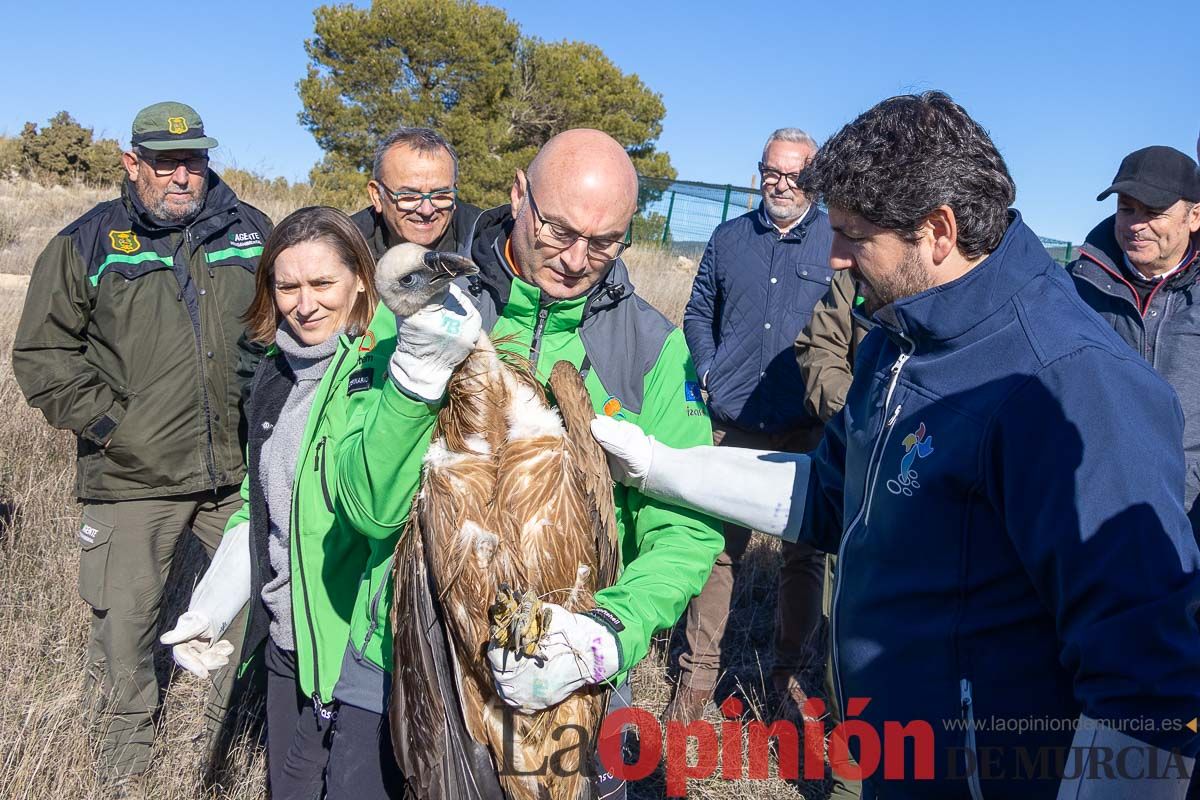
<point>1193,218</point>
<point>941,228</point>
<point>376,197</point>
<point>516,195</point>
<point>131,164</point>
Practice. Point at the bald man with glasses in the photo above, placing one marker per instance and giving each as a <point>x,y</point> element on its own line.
<point>551,287</point>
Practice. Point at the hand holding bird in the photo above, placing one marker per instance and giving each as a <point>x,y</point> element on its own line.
<point>572,651</point>
<point>436,325</point>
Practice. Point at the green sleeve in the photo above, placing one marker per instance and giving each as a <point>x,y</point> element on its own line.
<point>673,549</point>
<point>379,461</point>
<point>48,350</point>
<point>243,512</point>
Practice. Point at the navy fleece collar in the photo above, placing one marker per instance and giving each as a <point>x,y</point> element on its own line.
<point>950,310</point>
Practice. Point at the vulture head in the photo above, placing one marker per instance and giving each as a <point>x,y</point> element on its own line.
<point>409,277</point>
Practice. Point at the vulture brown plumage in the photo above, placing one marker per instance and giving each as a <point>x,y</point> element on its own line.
<point>515,493</point>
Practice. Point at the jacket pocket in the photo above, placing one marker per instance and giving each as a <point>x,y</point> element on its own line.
<point>375,618</point>
<point>95,534</point>
<point>322,468</point>
<point>814,282</point>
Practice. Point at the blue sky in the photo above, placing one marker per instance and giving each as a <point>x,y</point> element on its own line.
<point>1065,88</point>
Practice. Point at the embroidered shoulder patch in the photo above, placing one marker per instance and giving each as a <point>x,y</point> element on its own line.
<point>124,241</point>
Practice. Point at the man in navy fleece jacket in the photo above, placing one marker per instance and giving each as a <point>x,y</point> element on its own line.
<point>1004,487</point>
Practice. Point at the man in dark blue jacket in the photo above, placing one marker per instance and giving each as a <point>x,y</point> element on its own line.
<point>1138,270</point>
<point>759,279</point>
<point>1018,581</point>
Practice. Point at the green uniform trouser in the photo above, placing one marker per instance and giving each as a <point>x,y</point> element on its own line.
<point>127,548</point>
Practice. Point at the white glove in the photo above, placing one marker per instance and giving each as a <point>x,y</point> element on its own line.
<point>1139,776</point>
<point>628,448</point>
<point>576,651</point>
<point>753,488</point>
<point>215,602</point>
<point>194,649</point>
<point>431,343</point>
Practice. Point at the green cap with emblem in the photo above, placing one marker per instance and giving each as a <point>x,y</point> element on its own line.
<point>170,126</point>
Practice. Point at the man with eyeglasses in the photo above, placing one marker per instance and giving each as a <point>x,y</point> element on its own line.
<point>759,279</point>
<point>414,195</point>
<point>130,337</point>
<point>552,287</point>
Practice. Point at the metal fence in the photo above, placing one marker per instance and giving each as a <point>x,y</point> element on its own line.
<point>681,215</point>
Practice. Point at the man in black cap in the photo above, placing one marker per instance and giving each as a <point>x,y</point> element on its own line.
<point>1138,269</point>
<point>130,339</point>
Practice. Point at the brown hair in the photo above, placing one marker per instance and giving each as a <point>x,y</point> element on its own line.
<point>314,223</point>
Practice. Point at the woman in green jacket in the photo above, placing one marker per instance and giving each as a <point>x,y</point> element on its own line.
<point>310,576</point>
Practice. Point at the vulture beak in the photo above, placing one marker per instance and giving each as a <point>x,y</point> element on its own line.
<point>448,266</point>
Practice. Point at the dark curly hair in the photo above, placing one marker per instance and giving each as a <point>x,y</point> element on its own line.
<point>908,155</point>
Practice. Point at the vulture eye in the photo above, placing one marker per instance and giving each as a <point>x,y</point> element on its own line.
<point>408,280</point>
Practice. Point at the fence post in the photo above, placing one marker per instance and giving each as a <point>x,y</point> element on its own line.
<point>1068,256</point>
<point>725,207</point>
<point>667,224</point>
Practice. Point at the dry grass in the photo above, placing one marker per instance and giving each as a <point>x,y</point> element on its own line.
<point>46,747</point>
<point>31,213</point>
<point>664,279</point>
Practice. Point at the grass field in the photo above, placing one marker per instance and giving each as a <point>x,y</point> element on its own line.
<point>46,749</point>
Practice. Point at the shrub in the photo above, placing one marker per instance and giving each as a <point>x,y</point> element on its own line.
<point>64,151</point>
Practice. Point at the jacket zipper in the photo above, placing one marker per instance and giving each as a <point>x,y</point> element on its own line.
<point>889,426</point>
<point>872,467</point>
<point>1162,323</point>
<point>375,600</point>
<point>208,429</point>
<point>294,532</point>
<point>319,466</point>
<point>295,528</point>
<point>968,711</point>
<point>535,346</point>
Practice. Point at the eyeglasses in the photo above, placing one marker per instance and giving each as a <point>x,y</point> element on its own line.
<point>770,177</point>
<point>164,167</point>
<point>559,237</point>
<point>441,199</point>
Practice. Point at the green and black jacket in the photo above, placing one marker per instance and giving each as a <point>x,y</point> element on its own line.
<point>130,337</point>
<point>636,367</point>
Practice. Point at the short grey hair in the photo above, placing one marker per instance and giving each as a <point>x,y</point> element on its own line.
<point>790,135</point>
<point>422,140</point>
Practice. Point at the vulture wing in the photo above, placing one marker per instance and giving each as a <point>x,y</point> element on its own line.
<point>510,496</point>
<point>440,760</point>
<point>575,406</point>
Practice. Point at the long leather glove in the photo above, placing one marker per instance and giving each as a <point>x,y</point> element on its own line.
<point>215,602</point>
<point>757,489</point>
<point>1145,772</point>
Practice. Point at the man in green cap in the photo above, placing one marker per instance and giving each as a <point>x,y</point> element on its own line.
<point>130,337</point>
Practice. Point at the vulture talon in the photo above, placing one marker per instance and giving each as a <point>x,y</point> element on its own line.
<point>501,614</point>
<point>529,625</point>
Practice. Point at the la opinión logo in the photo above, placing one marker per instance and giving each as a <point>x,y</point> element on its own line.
<point>736,750</point>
